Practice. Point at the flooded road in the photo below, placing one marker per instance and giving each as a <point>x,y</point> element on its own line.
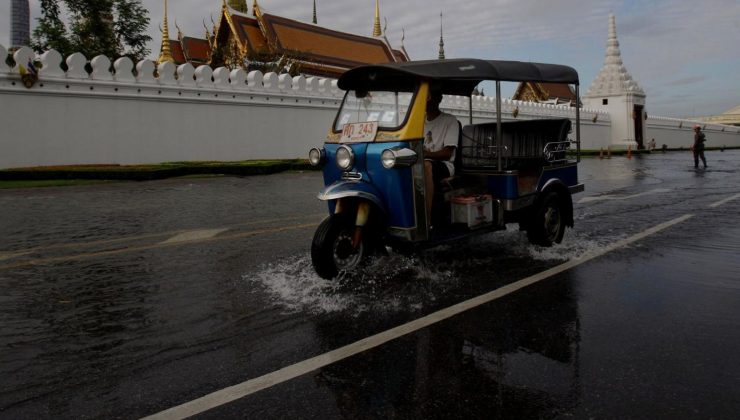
<point>123,300</point>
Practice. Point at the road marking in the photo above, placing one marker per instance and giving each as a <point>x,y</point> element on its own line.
<point>10,255</point>
<point>623,197</point>
<point>153,246</point>
<point>194,235</point>
<point>235,392</point>
<point>725,201</point>
<point>150,235</point>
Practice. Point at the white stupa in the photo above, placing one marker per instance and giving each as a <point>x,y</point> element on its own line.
<point>616,90</point>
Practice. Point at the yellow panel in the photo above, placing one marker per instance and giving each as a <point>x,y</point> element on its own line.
<point>414,128</point>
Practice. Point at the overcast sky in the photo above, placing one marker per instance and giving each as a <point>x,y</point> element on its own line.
<point>685,54</point>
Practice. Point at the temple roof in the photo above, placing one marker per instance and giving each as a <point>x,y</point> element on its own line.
<point>613,79</point>
<point>544,92</point>
<point>196,49</point>
<point>248,31</point>
<point>559,91</point>
<point>177,53</point>
<point>401,55</point>
<point>325,46</point>
<point>320,51</point>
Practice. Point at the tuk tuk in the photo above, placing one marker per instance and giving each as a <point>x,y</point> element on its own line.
<point>504,171</point>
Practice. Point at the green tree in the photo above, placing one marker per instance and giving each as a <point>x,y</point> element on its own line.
<point>131,27</point>
<point>110,27</point>
<point>50,32</point>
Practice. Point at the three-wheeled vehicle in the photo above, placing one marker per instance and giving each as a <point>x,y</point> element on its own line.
<point>505,171</point>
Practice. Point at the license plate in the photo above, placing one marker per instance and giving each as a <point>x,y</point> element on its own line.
<point>362,132</point>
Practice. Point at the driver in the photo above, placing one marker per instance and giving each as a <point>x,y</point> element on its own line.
<point>440,142</point>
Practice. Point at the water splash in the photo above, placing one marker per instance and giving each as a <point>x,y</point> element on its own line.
<point>400,283</point>
<point>386,285</point>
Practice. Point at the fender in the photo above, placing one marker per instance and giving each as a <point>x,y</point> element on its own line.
<point>553,183</point>
<point>358,189</point>
<point>559,186</point>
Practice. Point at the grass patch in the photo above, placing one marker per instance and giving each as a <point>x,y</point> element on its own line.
<point>152,172</point>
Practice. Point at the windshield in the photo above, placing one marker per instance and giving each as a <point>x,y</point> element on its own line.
<point>389,109</point>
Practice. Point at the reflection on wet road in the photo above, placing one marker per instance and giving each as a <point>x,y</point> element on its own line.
<point>124,300</point>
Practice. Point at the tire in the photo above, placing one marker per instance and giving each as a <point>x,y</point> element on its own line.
<point>547,225</point>
<point>331,249</point>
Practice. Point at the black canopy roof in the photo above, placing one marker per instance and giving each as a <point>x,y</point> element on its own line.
<point>455,76</point>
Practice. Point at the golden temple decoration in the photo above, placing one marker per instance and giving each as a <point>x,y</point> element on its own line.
<point>233,50</point>
<point>256,11</point>
<point>165,53</point>
<point>376,22</point>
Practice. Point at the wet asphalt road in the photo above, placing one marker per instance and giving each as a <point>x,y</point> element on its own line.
<point>122,300</point>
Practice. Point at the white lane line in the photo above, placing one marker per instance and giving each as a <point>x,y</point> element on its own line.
<point>78,257</point>
<point>11,255</point>
<point>725,201</point>
<point>156,235</point>
<point>194,235</point>
<point>235,392</point>
<point>623,197</point>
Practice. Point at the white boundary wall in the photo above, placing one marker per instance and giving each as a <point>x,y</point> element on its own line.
<point>674,133</point>
<point>189,114</point>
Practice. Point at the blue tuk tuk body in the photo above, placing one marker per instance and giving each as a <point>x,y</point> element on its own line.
<point>505,172</point>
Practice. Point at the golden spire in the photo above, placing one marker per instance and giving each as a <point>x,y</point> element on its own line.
<point>165,53</point>
<point>376,23</point>
<point>441,39</point>
<point>256,11</point>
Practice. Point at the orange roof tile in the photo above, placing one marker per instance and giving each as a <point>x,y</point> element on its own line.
<point>400,56</point>
<point>326,46</point>
<point>196,49</point>
<point>248,31</point>
<point>560,91</point>
<point>177,53</point>
<point>538,92</point>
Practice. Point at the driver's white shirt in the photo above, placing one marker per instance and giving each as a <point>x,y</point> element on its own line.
<point>439,133</point>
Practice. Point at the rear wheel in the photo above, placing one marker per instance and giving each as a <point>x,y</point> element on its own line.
<point>547,225</point>
<point>332,250</point>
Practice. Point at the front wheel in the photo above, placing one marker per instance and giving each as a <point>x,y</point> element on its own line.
<point>332,250</point>
<point>547,225</point>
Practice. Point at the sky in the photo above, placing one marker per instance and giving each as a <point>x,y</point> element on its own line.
<point>685,54</point>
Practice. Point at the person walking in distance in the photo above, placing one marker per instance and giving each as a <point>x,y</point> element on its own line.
<point>698,147</point>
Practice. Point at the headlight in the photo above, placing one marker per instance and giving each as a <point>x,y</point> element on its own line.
<point>345,158</point>
<point>316,156</point>
<point>388,158</point>
<point>398,157</point>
